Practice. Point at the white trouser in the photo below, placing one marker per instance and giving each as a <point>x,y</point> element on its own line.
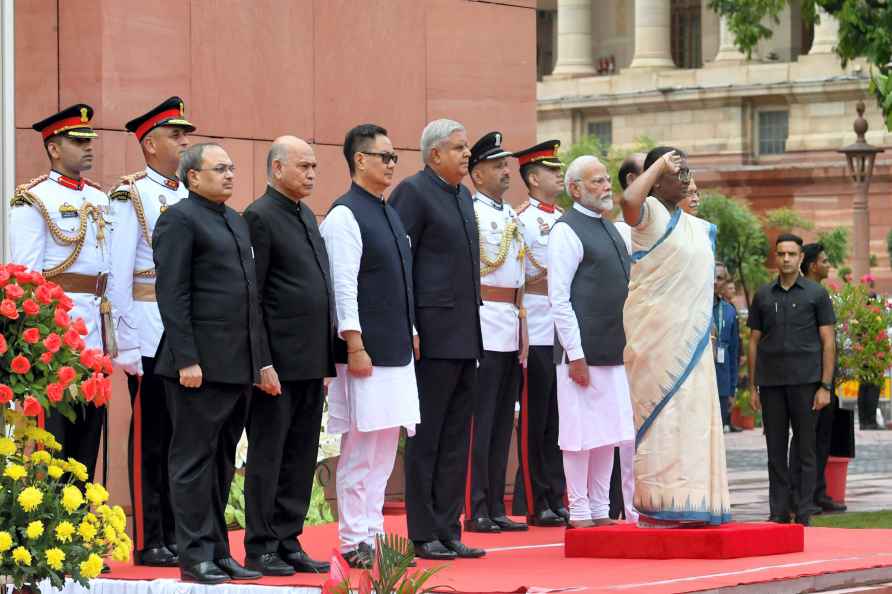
<point>588,482</point>
<point>627,476</point>
<point>363,469</point>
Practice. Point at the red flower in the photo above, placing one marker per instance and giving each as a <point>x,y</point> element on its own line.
<point>65,302</point>
<point>46,358</point>
<point>30,307</point>
<point>8,309</point>
<point>61,318</point>
<point>54,392</point>
<point>55,290</point>
<point>107,367</point>
<point>52,342</point>
<point>13,291</point>
<point>6,393</point>
<point>3,346</point>
<point>20,365</point>
<point>32,407</point>
<point>81,345</point>
<point>44,294</point>
<point>12,268</point>
<point>89,388</point>
<point>24,277</point>
<point>71,337</point>
<point>87,357</point>
<point>37,278</point>
<point>31,335</point>
<point>80,326</point>
<point>4,276</point>
<point>66,375</point>
<point>103,389</point>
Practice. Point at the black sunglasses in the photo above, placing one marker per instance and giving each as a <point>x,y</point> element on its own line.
<point>386,158</point>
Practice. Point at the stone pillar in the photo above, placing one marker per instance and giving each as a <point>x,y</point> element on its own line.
<point>728,52</point>
<point>652,35</point>
<point>574,39</point>
<point>826,34</point>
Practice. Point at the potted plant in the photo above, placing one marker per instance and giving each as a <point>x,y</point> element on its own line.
<point>52,523</point>
<point>742,414</point>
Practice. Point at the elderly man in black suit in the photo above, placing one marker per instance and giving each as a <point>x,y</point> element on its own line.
<point>212,350</point>
<point>438,214</point>
<point>294,286</point>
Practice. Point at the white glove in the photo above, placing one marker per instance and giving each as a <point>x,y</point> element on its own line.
<point>130,361</point>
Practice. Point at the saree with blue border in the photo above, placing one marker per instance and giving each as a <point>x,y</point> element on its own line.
<point>680,472</point>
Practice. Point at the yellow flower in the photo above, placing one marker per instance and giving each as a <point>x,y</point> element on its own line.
<point>21,556</point>
<point>91,518</point>
<point>77,469</point>
<point>15,471</point>
<point>72,498</point>
<point>109,533</point>
<point>54,558</point>
<point>92,567</point>
<point>7,446</point>
<point>5,541</point>
<point>54,471</point>
<point>64,531</point>
<point>87,531</point>
<point>118,521</point>
<point>30,498</point>
<point>41,457</point>
<point>96,494</point>
<point>121,553</point>
<point>34,530</point>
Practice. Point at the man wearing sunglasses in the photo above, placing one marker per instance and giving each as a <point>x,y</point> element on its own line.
<point>213,348</point>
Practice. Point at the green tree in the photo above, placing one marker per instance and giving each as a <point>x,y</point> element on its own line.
<point>787,220</point>
<point>865,30</point>
<point>836,246</point>
<point>611,156</point>
<point>741,242</point>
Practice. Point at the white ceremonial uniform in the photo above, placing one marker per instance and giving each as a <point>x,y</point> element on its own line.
<point>596,418</point>
<point>537,222</point>
<point>499,321</point>
<point>33,244</point>
<point>367,411</point>
<point>142,198</point>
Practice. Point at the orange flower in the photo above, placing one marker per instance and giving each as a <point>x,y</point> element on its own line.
<point>14,291</point>
<point>61,318</point>
<point>80,326</point>
<point>3,346</point>
<point>52,342</point>
<point>8,309</point>
<point>66,375</point>
<point>20,365</point>
<point>30,307</point>
<point>31,406</point>
<point>54,392</point>
<point>6,394</point>
<point>46,358</point>
<point>31,335</point>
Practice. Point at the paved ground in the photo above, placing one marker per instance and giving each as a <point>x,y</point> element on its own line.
<point>869,486</point>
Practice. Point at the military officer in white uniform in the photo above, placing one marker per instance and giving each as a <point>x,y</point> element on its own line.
<point>504,337</point>
<point>59,225</point>
<point>136,203</point>
<point>539,488</point>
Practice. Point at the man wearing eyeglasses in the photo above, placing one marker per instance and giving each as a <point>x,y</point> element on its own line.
<point>374,393</point>
<point>213,348</point>
<point>294,286</point>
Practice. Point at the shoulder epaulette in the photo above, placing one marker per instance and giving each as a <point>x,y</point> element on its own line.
<point>523,207</point>
<point>22,196</point>
<point>90,182</point>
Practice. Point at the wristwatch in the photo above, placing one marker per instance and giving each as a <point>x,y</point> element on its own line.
<point>826,386</point>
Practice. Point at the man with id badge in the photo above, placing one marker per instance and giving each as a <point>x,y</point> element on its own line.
<point>725,345</point>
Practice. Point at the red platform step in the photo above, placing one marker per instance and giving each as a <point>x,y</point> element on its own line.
<point>729,541</point>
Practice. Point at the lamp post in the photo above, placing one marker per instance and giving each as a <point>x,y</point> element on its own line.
<point>860,158</point>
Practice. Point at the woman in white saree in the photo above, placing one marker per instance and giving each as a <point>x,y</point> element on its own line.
<point>680,474</point>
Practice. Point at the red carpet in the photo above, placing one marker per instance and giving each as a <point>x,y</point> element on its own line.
<point>534,561</point>
<point>730,541</point>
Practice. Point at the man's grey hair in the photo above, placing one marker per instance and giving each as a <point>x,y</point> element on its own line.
<point>191,159</point>
<point>435,133</point>
<point>575,170</point>
<point>277,152</point>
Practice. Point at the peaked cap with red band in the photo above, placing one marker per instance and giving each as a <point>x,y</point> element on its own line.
<point>544,153</point>
<point>73,122</point>
<point>171,112</point>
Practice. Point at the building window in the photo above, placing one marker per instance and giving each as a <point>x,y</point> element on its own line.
<point>773,131</point>
<point>546,31</point>
<point>685,34</point>
<point>603,131</point>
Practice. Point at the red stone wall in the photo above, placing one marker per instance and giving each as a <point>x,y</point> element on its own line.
<point>250,70</point>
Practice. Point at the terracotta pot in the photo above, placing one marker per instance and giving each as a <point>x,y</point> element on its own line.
<point>836,474</point>
<point>740,420</point>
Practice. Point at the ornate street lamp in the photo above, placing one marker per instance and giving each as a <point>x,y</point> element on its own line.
<point>860,157</point>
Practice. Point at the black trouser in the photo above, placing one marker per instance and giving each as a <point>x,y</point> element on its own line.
<point>284,435</point>
<point>148,451</point>
<point>823,439</point>
<point>207,424</point>
<point>725,407</point>
<point>437,456</point>
<point>617,503</point>
<point>80,439</point>
<point>783,407</point>
<point>498,384</point>
<point>537,435</point>
<point>868,398</point>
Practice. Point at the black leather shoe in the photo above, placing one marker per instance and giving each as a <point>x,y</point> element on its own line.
<point>482,524</point>
<point>564,513</point>
<point>508,525</point>
<point>303,563</point>
<point>205,572</point>
<point>546,519</point>
<point>155,557</point>
<point>269,564</point>
<point>231,567</point>
<point>779,519</point>
<point>172,547</point>
<point>462,550</point>
<point>830,506</point>
<point>434,550</point>
<point>359,558</point>
<point>804,520</point>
